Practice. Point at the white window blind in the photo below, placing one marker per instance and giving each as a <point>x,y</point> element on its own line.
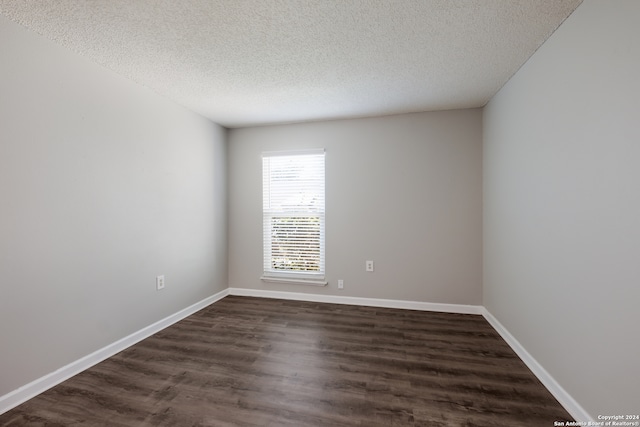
<point>293,215</point>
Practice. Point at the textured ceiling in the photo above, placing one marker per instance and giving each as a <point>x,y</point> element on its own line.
<point>248,62</point>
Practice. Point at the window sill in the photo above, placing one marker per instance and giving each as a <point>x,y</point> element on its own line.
<point>299,281</point>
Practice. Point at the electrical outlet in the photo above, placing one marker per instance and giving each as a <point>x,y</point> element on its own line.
<point>340,284</point>
<point>369,266</point>
<point>159,283</point>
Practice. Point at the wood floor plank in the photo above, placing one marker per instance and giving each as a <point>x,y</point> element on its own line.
<point>247,361</point>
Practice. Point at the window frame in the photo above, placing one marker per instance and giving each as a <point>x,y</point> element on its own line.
<point>292,276</point>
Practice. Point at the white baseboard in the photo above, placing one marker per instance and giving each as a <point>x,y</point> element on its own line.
<point>565,399</point>
<point>28,391</point>
<point>371,302</point>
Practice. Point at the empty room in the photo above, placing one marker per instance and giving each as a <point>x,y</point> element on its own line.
<point>319,213</point>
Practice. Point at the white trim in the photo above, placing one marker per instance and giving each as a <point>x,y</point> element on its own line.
<point>303,152</point>
<point>28,391</point>
<point>34,388</point>
<point>371,302</point>
<point>565,399</point>
<point>298,280</point>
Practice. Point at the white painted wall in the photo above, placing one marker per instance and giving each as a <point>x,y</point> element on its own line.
<point>562,206</point>
<point>404,191</point>
<point>103,186</point>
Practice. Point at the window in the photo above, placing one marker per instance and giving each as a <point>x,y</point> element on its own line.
<point>293,216</point>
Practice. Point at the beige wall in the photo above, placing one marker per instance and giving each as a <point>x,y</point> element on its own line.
<point>562,206</point>
<point>103,186</point>
<point>404,191</point>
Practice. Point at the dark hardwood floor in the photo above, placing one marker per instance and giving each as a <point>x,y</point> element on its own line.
<point>264,362</point>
